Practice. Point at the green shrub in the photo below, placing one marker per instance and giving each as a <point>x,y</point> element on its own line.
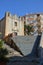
<point>3,52</point>
<point>1,43</point>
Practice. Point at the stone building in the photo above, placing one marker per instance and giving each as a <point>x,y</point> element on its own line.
<point>40,22</point>
<point>11,24</point>
<point>30,19</point>
<point>34,20</point>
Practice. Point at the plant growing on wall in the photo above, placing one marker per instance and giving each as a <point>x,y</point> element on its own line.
<point>28,29</point>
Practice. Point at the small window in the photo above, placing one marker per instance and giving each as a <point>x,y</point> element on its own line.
<point>15,23</point>
<point>8,14</point>
<point>15,33</point>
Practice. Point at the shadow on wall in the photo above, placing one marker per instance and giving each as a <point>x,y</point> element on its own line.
<point>35,50</point>
<point>41,52</point>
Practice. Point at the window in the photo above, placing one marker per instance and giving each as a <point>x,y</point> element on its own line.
<point>15,23</point>
<point>8,14</point>
<point>15,33</point>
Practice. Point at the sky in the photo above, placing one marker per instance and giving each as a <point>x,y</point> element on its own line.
<point>20,7</point>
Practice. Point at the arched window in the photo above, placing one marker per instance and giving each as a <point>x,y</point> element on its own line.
<point>15,23</point>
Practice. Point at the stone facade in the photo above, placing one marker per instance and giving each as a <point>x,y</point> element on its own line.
<point>35,21</point>
<point>11,25</point>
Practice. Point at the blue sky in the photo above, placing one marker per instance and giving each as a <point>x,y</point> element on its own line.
<point>20,7</point>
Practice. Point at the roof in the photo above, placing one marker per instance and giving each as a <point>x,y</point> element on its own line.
<point>25,43</point>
